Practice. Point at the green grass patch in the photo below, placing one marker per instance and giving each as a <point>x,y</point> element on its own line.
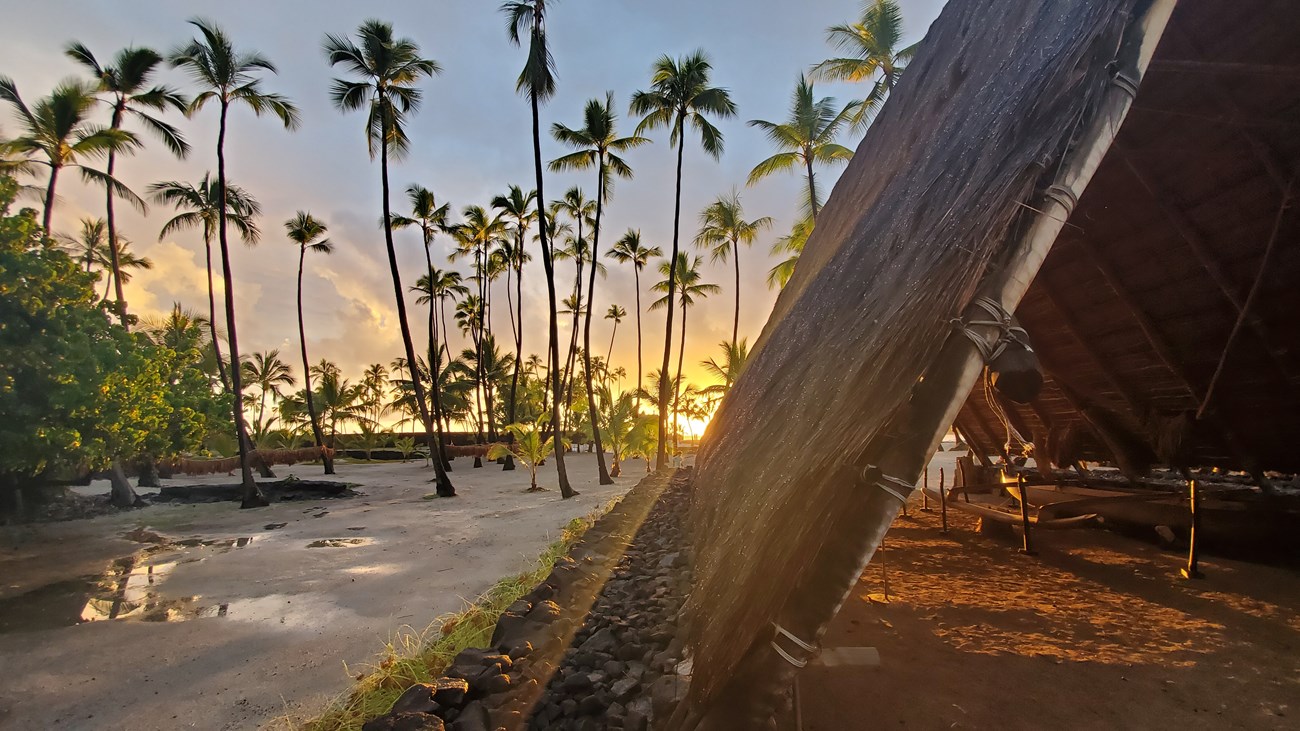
<point>421,656</point>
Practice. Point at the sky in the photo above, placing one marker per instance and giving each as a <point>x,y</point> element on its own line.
<point>470,140</point>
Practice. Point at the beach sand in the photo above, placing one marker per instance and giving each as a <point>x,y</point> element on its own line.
<point>293,615</point>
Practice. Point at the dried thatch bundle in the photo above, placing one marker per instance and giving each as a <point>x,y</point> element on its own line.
<point>469,450</point>
<point>268,457</point>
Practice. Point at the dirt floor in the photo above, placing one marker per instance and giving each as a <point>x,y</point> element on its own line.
<point>1096,632</point>
<point>226,619</point>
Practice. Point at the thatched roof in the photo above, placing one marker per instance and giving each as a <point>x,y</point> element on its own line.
<point>960,188</point>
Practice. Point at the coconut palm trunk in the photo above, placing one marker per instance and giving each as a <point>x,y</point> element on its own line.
<point>677,382</point>
<point>636,278</point>
<point>592,412</point>
<point>562,474</point>
<point>252,494</point>
<point>306,374</point>
<point>519,342</point>
<point>114,262</point>
<point>661,451</point>
<point>49,198</point>
<point>735,320</point>
<point>435,387</point>
<point>444,486</point>
<point>212,309</point>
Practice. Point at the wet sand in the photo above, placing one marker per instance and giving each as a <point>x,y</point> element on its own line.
<point>1096,632</point>
<point>239,624</point>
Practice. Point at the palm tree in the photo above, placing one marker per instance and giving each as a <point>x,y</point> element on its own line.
<point>306,231</point>
<point>577,247</point>
<point>615,313</point>
<point>430,218</point>
<point>629,250</point>
<point>805,139</point>
<point>685,278</point>
<point>727,370</point>
<point>537,80</point>
<point>527,444</point>
<point>791,244</point>
<point>199,206</point>
<point>126,82</point>
<point>519,210</point>
<point>680,92</point>
<point>723,229</point>
<point>266,371</point>
<point>389,68</point>
<point>229,77</point>
<point>58,129</point>
<point>596,144</point>
<point>476,237</point>
<point>871,47</point>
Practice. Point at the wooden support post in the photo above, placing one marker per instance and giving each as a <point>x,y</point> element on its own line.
<point>1028,548</point>
<point>1192,571</point>
<point>925,485</point>
<point>884,572</point>
<point>943,502</point>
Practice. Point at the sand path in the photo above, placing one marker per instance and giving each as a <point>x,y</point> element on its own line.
<point>292,615</point>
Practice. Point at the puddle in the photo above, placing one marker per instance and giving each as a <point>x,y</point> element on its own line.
<point>128,590</point>
<point>341,542</point>
<point>214,543</point>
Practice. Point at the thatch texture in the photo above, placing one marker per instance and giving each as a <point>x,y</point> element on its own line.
<point>947,176</point>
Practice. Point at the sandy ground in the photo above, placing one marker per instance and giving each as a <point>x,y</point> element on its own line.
<point>269,622</point>
<point>1096,632</point>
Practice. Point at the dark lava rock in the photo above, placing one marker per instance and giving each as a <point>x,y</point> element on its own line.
<point>520,650</point>
<point>494,684</point>
<point>602,640</point>
<point>666,693</point>
<point>417,699</point>
<point>405,722</point>
<point>450,692</point>
<point>545,611</point>
<point>473,717</point>
<point>591,706</point>
<point>578,682</point>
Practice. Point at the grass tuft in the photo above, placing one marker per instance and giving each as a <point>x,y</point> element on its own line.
<point>421,656</point>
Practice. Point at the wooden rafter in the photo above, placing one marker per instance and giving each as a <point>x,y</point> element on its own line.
<point>1186,231</point>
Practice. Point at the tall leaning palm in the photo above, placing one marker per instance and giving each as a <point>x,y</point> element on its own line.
<point>806,139</point>
<point>56,132</point>
<point>596,145</point>
<point>229,77</point>
<point>537,80</point>
<point>870,47</point>
<point>629,250</point>
<point>430,218</point>
<point>723,229</point>
<point>126,83</point>
<point>388,69</point>
<point>199,206</point>
<point>308,232</point>
<point>680,93</point>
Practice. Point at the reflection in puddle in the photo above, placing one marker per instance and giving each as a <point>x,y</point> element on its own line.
<point>129,589</point>
<point>340,542</point>
<point>214,543</point>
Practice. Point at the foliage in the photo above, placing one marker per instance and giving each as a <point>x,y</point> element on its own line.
<point>806,139</point>
<point>528,447</point>
<point>871,47</point>
<point>76,389</point>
